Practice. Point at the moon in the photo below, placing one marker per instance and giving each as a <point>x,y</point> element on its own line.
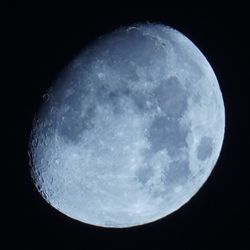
<point>130,130</point>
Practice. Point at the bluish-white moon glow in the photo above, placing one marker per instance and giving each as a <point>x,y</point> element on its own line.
<point>131,129</point>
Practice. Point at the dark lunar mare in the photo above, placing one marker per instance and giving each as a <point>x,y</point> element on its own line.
<point>166,132</point>
<point>205,148</point>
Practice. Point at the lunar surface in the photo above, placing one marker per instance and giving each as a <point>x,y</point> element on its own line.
<point>130,130</point>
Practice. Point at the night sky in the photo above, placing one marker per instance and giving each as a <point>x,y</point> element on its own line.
<point>40,42</point>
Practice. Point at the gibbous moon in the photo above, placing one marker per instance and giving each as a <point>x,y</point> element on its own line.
<point>130,130</point>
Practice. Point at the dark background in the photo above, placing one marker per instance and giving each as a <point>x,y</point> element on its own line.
<point>40,42</point>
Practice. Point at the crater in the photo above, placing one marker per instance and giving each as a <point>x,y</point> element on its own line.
<point>205,148</point>
<point>168,134</point>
